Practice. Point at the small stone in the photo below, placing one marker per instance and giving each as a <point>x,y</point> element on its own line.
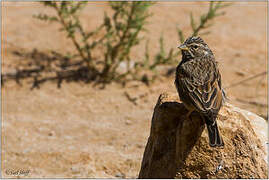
<point>120,175</point>
<point>128,122</point>
<point>75,170</point>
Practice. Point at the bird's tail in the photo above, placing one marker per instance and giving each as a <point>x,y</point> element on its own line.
<point>213,133</point>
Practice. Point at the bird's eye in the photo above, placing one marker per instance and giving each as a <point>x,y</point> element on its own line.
<point>195,46</point>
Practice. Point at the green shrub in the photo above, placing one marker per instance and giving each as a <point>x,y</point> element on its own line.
<point>121,34</point>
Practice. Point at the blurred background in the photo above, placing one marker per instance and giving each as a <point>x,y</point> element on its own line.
<point>80,80</point>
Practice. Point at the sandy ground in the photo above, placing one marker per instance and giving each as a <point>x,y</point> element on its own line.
<point>83,131</point>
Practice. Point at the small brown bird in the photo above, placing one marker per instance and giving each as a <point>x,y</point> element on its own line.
<point>198,83</point>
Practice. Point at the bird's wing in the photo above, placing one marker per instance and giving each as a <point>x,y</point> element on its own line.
<point>204,90</point>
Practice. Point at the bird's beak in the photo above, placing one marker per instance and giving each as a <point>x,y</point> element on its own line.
<point>183,47</point>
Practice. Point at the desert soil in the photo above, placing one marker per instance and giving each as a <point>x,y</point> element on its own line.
<point>83,131</point>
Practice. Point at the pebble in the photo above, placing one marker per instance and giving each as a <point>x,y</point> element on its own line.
<point>120,175</point>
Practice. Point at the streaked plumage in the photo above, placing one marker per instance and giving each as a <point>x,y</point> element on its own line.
<point>198,83</point>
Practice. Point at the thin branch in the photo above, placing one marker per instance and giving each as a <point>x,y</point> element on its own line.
<point>247,79</point>
<point>252,102</point>
<point>72,37</point>
<point>133,100</point>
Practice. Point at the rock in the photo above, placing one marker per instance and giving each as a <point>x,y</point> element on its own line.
<point>178,148</point>
<point>120,175</point>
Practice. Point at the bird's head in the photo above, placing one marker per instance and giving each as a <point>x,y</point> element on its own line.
<point>195,47</point>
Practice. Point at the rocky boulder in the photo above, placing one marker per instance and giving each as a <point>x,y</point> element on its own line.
<point>178,147</point>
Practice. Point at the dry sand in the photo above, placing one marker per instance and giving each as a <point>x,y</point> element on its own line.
<point>82,131</point>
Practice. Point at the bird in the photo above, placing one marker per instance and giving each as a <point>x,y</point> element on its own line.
<point>198,83</point>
